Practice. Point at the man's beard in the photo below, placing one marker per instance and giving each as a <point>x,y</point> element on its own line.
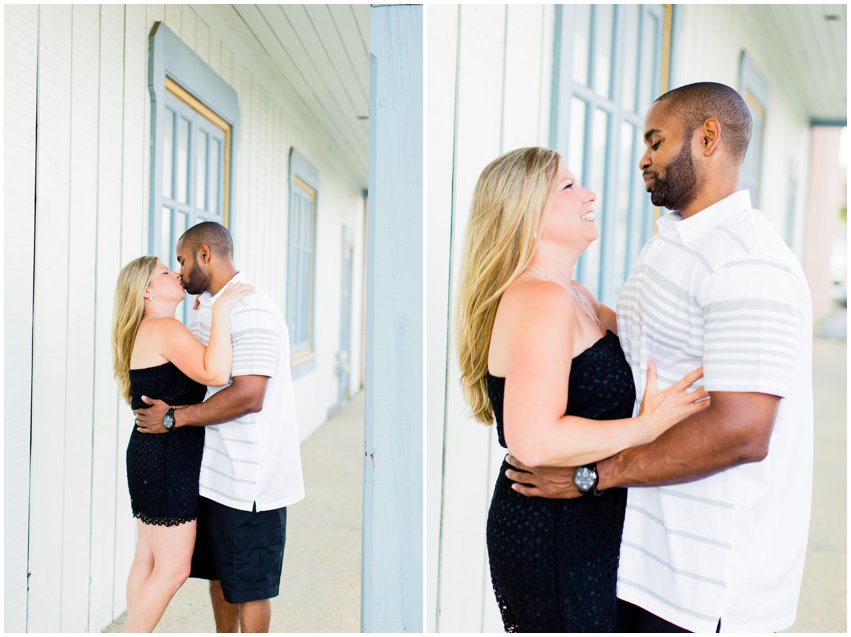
<point>679,185</point>
<point>198,281</point>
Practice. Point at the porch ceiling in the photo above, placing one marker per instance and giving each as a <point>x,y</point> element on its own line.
<point>319,57</point>
<point>810,45</point>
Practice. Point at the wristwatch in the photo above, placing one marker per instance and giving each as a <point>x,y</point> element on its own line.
<point>585,479</point>
<point>168,420</point>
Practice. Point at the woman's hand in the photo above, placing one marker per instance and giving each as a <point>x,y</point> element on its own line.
<point>233,293</point>
<point>662,409</point>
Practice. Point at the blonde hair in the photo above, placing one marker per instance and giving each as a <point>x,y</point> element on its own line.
<point>506,215</point>
<point>129,308</point>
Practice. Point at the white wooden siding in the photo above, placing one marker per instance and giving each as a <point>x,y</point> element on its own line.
<point>89,173</point>
<point>82,228</point>
<point>107,419</point>
<point>442,29</point>
<point>50,320</point>
<point>21,59</point>
<point>503,66</point>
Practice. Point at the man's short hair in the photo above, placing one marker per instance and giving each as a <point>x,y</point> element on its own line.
<point>693,104</point>
<point>211,233</point>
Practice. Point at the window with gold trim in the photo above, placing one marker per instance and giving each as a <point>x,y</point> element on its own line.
<point>194,115</point>
<point>301,259</point>
<point>196,157</point>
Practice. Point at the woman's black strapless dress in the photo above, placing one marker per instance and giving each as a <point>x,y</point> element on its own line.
<point>163,469</point>
<point>554,562</point>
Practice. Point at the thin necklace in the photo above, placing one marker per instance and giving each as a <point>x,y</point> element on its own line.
<point>576,295</point>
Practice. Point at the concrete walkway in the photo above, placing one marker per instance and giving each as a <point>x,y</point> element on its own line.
<point>320,584</point>
<point>822,607</point>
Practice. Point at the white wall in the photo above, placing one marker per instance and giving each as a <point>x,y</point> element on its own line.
<point>81,72</point>
<point>21,58</point>
<point>488,92</point>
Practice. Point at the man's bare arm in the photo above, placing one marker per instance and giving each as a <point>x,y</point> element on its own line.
<point>244,396</point>
<point>735,429</point>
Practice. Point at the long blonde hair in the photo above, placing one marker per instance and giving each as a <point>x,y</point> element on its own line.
<point>129,308</point>
<point>508,206</point>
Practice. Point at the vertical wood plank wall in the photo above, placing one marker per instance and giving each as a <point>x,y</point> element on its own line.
<point>76,201</point>
<point>19,128</point>
<point>491,51</point>
<point>391,591</point>
<point>442,30</point>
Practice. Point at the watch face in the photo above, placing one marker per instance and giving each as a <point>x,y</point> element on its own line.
<point>168,420</point>
<point>584,478</point>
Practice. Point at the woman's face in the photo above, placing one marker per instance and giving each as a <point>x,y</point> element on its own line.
<point>165,284</point>
<point>569,220</point>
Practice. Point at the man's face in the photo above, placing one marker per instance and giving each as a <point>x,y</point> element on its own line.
<point>667,165</point>
<point>194,279</point>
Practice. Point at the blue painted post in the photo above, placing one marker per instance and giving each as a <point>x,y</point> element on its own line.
<point>392,571</point>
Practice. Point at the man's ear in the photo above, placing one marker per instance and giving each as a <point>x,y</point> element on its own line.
<point>204,254</point>
<point>710,136</point>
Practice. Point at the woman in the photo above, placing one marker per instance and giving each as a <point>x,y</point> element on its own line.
<point>530,341</point>
<point>155,355</point>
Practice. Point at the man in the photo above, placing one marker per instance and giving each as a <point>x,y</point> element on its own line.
<point>715,536</point>
<point>251,467</point>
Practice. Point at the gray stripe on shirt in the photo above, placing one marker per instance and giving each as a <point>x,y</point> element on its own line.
<point>672,568</point>
<point>765,262</point>
<point>693,253</point>
<point>751,304</point>
<point>683,295</point>
<point>222,453</point>
<point>685,534</point>
<point>228,476</point>
<point>696,498</point>
<point>735,238</point>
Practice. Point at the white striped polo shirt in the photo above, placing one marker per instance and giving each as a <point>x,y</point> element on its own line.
<point>722,290</point>
<point>255,458</point>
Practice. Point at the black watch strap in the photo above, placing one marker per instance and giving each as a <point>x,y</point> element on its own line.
<point>169,416</point>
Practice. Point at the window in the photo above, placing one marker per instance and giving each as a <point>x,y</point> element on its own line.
<point>608,70</point>
<point>754,90</point>
<point>301,244</point>
<point>194,113</point>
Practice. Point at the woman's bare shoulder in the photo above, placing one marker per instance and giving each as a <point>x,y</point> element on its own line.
<point>536,300</point>
<point>148,346</point>
<point>529,312</point>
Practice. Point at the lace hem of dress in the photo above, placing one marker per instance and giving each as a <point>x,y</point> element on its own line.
<point>146,519</point>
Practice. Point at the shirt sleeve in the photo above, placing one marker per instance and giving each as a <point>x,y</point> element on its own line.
<point>255,338</point>
<point>752,320</point>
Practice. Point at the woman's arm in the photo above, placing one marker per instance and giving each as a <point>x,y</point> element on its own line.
<point>209,365</point>
<point>541,322</point>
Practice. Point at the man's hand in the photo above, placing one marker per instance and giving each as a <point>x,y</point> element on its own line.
<point>541,482</point>
<point>150,419</point>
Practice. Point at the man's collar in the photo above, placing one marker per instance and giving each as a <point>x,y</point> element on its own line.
<point>206,299</point>
<point>703,220</point>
